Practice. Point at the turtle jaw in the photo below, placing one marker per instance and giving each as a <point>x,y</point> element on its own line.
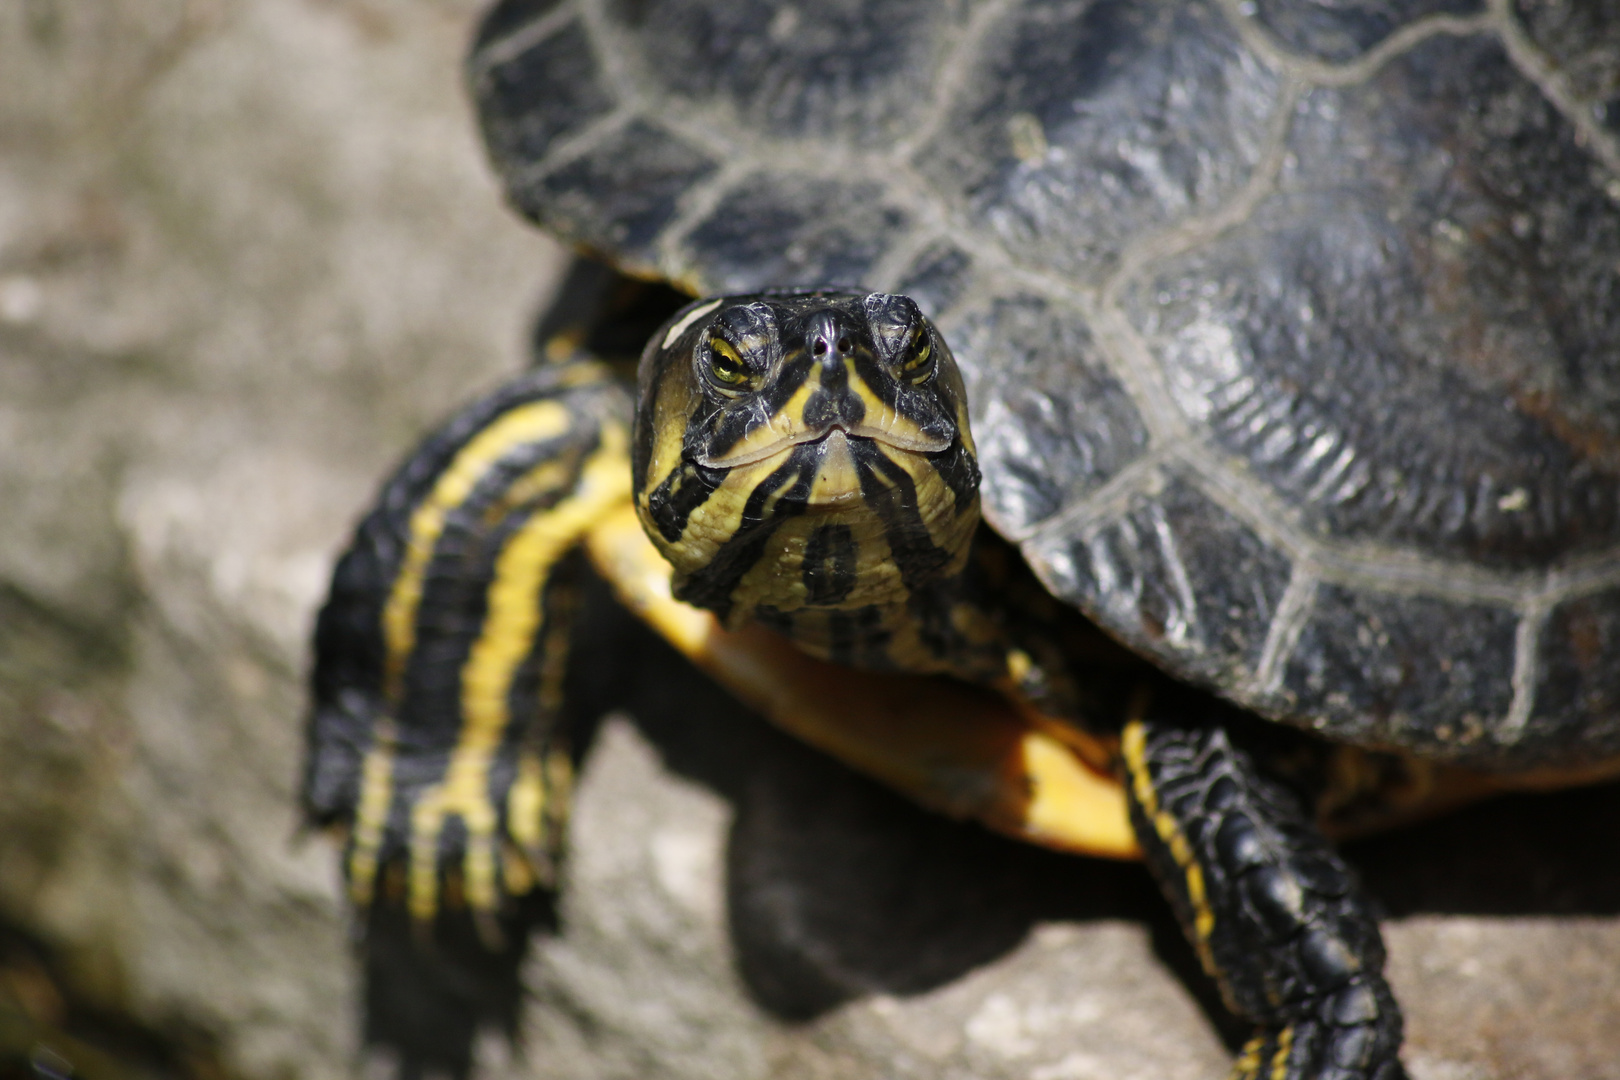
<point>834,454</point>
<point>830,456</point>
<point>839,523</point>
<point>837,484</point>
<point>887,432</point>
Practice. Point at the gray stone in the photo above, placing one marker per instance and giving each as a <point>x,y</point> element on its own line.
<point>247,251</point>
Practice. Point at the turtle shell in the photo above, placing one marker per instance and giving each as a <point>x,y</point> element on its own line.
<point>1292,330</point>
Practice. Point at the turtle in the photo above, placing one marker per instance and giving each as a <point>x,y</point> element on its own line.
<point>1163,429</point>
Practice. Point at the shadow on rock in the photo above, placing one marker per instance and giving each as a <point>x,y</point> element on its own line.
<point>838,888</point>
<point>1546,854</point>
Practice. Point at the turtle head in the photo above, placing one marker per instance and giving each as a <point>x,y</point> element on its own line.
<point>803,450</point>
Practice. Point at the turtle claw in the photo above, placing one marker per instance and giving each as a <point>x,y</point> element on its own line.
<point>1327,1047</point>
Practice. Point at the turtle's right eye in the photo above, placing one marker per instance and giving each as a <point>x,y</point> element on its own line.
<point>726,368</point>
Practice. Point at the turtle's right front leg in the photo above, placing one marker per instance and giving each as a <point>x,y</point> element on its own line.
<point>1276,916</point>
<point>434,743</point>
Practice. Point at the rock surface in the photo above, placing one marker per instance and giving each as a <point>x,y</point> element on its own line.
<point>248,250</point>
<point>874,940</point>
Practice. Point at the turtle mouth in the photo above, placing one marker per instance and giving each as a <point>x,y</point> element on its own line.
<point>856,433</point>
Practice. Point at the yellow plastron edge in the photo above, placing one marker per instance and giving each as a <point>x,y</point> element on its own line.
<point>957,749</point>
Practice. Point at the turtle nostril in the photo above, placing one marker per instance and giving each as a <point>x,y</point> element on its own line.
<point>843,344</point>
<point>819,347</point>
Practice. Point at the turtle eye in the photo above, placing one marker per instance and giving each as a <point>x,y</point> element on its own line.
<point>919,361</point>
<point>726,368</point>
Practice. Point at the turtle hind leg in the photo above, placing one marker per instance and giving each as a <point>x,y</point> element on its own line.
<point>1275,915</point>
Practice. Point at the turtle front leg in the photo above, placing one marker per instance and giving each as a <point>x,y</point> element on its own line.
<point>434,744</point>
<point>1277,918</point>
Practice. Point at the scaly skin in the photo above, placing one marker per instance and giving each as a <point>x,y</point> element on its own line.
<point>1276,916</point>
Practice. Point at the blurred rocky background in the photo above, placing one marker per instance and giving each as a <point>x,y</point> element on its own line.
<point>249,250</point>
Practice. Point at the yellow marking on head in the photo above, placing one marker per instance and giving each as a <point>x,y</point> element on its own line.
<point>936,504</point>
<point>772,437</point>
<point>951,389</point>
<point>835,498</point>
<point>674,400</point>
<point>1133,744</point>
<point>777,579</point>
<point>881,419</point>
<point>717,518</point>
<point>505,639</point>
<point>674,333</point>
<point>837,480</point>
<point>1279,1061</point>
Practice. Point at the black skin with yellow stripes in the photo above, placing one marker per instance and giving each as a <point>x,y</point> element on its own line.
<point>1275,915</point>
<point>440,650</point>
<point>804,461</point>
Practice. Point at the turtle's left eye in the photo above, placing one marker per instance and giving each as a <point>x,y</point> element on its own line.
<point>919,361</point>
